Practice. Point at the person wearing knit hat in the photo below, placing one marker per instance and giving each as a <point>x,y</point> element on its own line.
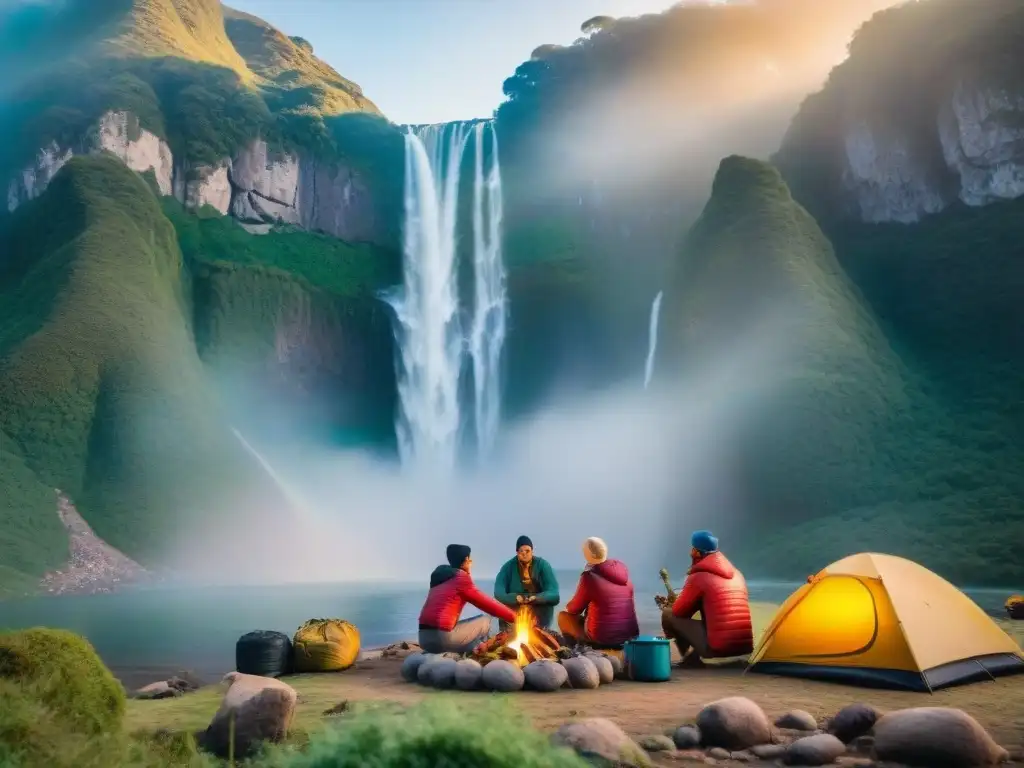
<point>528,580</point>
<point>717,589</point>
<point>602,612</point>
<point>595,551</point>
<point>451,587</point>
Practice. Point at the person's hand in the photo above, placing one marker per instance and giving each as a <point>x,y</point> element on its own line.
<point>519,599</point>
<point>661,601</point>
<point>531,598</point>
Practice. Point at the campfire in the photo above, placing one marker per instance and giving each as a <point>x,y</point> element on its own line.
<point>525,643</point>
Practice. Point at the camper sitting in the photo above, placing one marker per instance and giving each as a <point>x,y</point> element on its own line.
<point>602,613</point>
<point>451,587</point>
<point>718,590</point>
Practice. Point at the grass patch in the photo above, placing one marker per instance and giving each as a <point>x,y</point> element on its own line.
<point>440,733</point>
<point>332,265</point>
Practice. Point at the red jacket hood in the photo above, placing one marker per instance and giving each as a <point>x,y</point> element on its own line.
<point>716,564</point>
<point>614,571</point>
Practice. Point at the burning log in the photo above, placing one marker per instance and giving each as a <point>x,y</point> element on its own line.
<point>525,644</point>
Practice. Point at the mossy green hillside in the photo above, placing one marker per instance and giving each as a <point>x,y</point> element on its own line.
<point>174,65</point>
<point>757,279</point>
<point>294,318</point>
<point>852,442</point>
<point>102,392</point>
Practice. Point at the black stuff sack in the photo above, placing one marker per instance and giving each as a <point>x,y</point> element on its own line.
<point>264,653</point>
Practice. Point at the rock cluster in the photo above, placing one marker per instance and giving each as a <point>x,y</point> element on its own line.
<point>93,566</point>
<point>446,671</point>
<point>736,730</point>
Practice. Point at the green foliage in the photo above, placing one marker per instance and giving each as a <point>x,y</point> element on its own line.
<point>65,674</point>
<point>864,435</point>
<point>287,64</point>
<point>329,264</point>
<point>33,540</point>
<point>430,735</point>
<point>60,707</point>
<point>101,390</point>
<point>173,64</point>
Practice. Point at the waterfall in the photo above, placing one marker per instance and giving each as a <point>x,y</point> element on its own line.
<point>652,340</point>
<point>429,333</point>
<point>487,334</point>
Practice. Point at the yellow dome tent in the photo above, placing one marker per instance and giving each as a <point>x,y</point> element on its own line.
<point>880,620</point>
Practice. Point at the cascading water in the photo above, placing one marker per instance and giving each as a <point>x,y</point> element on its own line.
<point>652,340</point>
<point>487,334</point>
<point>429,332</point>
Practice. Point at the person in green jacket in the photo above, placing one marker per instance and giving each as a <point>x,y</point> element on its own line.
<point>528,580</point>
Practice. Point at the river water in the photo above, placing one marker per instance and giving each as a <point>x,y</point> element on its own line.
<point>147,634</point>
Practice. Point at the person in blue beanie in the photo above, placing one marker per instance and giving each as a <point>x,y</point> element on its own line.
<point>716,589</point>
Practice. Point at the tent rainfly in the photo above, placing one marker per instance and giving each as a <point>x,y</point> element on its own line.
<point>884,621</point>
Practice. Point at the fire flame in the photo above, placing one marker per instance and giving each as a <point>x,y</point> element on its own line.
<point>524,623</point>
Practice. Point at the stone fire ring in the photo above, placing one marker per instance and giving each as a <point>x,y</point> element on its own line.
<point>448,672</point>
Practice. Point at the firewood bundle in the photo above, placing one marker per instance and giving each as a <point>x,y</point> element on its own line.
<point>541,645</point>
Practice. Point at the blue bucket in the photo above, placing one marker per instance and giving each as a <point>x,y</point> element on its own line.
<point>648,659</point>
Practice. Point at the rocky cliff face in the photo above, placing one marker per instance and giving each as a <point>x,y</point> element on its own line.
<point>257,186</point>
<point>116,132</point>
<point>926,112</point>
<point>887,166</point>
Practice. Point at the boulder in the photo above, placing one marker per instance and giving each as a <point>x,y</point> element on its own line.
<point>718,753</point>
<point>160,690</point>
<point>605,670</point>
<point>503,676</point>
<point>442,674</point>
<point>582,672</point>
<point>768,751</point>
<point>261,708</point>
<point>657,743</point>
<point>468,675</point>
<point>601,739</point>
<point>797,720</point>
<point>426,669</point>
<point>935,737</point>
<point>411,666</point>
<point>820,749</point>
<point>852,721</point>
<point>545,675</point>
<point>733,723</point>
<point>184,682</point>
<point>686,737</point>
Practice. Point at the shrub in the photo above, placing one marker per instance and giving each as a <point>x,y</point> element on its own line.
<point>63,673</point>
<point>427,736</point>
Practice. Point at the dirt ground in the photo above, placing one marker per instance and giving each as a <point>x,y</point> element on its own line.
<point>639,708</point>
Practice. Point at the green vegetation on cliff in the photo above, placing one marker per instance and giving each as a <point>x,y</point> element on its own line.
<point>102,393</point>
<point>849,442</point>
<point>175,65</point>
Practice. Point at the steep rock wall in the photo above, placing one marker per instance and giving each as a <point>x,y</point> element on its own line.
<point>925,113</point>
<point>117,133</point>
<point>256,186</point>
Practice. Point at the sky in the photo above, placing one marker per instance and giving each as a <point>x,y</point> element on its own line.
<point>431,61</point>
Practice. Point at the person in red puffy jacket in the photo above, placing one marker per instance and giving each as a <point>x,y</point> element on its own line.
<point>718,590</point>
<point>451,587</point>
<point>602,613</point>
